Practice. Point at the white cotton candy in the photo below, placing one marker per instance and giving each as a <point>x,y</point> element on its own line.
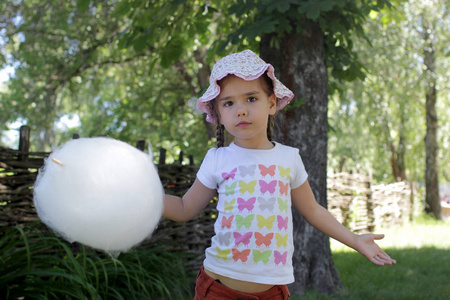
<point>106,194</point>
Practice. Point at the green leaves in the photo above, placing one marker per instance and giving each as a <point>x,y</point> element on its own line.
<point>172,52</point>
<point>314,8</point>
<point>83,5</point>
<point>280,6</point>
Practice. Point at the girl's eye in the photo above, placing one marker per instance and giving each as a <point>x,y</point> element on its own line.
<point>251,99</point>
<point>228,103</point>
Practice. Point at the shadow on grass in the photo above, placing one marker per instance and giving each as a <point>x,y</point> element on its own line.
<point>420,273</point>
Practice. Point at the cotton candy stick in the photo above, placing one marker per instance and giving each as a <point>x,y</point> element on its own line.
<point>57,161</point>
<point>100,192</point>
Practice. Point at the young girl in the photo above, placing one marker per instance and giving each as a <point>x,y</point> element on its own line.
<point>257,180</point>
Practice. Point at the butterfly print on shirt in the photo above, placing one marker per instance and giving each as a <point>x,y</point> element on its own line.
<point>231,175</point>
<point>240,255</point>
<point>267,186</point>
<point>243,204</point>
<point>285,172</point>
<point>261,256</point>
<point>224,238</point>
<point>250,170</point>
<point>268,204</point>
<point>242,238</point>
<point>226,222</point>
<point>280,257</point>
<point>283,187</point>
<point>267,170</point>
<point>267,222</point>
<point>263,239</point>
<point>282,222</point>
<point>247,187</point>
<point>247,221</point>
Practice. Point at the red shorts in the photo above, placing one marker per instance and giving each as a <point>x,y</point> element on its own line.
<point>207,288</point>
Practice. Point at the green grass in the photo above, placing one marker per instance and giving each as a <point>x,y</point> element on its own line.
<point>422,251</point>
<point>35,264</point>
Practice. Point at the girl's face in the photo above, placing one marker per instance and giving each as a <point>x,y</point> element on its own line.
<point>243,108</point>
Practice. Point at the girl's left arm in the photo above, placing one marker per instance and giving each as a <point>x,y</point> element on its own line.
<point>319,217</point>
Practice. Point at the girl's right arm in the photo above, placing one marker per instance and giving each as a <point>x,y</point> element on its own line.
<point>186,208</point>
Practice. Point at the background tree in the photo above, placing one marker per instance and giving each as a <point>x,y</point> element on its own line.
<point>429,25</point>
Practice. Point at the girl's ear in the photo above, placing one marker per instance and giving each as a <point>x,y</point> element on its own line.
<point>272,104</point>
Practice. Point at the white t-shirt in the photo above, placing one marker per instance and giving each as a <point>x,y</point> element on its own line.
<point>253,231</point>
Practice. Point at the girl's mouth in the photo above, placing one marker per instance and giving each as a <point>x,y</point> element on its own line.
<point>243,124</point>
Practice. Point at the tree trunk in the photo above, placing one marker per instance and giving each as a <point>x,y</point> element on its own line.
<point>431,141</point>
<point>301,67</point>
<point>397,154</point>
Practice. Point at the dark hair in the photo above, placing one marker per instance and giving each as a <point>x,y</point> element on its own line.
<point>267,85</point>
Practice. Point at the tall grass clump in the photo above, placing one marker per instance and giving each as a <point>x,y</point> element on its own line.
<point>35,264</point>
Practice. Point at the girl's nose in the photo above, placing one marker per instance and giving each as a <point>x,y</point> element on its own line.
<point>242,111</point>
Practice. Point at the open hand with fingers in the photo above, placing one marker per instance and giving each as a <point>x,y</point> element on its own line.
<point>365,244</point>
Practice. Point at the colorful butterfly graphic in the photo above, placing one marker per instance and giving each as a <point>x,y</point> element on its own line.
<point>224,238</point>
<point>226,222</point>
<point>222,253</point>
<point>247,221</point>
<point>283,204</point>
<point>263,239</point>
<point>267,170</point>
<point>229,189</point>
<point>283,187</point>
<point>281,240</point>
<point>249,204</point>
<point>238,255</point>
<point>228,206</point>
<point>267,186</point>
<point>242,238</point>
<point>250,170</point>
<point>285,172</point>
<point>247,187</point>
<point>265,222</point>
<point>282,222</point>
<point>268,204</point>
<point>280,258</point>
<point>261,256</point>
<point>231,175</point>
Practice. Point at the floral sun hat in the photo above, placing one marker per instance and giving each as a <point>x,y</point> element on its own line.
<point>248,66</point>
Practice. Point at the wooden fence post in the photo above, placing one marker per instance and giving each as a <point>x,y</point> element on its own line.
<point>140,145</point>
<point>24,142</point>
<point>162,156</point>
<point>370,206</point>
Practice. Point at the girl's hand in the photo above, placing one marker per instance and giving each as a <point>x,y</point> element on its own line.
<point>365,244</point>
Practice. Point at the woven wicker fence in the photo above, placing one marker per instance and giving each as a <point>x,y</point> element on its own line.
<point>351,199</point>
<point>361,206</point>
